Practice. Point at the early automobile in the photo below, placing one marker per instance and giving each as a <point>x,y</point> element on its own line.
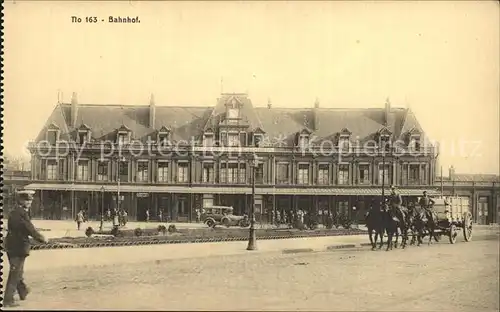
<point>223,215</point>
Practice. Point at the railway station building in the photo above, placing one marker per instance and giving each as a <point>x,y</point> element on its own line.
<point>177,159</point>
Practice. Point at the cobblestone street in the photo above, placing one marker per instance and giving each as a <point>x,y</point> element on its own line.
<point>441,277</point>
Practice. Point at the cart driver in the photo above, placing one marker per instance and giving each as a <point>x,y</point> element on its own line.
<point>395,199</point>
<point>426,203</point>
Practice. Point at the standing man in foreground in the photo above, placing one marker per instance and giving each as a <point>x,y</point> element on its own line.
<point>17,246</point>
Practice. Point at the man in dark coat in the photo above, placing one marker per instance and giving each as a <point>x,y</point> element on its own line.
<point>17,246</point>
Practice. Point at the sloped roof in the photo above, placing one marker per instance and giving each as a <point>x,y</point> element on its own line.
<point>186,122</point>
<point>464,177</point>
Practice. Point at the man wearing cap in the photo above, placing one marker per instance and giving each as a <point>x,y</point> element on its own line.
<point>395,199</point>
<point>17,246</point>
<point>426,202</point>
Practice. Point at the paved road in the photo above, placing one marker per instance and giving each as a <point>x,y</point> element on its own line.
<point>441,277</point>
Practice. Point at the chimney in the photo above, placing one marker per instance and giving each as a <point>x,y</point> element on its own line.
<point>451,173</point>
<point>316,114</point>
<point>74,109</point>
<point>152,111</point>
<point>387,111</point>
<point>269,105</point>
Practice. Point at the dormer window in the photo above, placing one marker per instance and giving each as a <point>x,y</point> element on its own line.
<point>414,139</point>
<point>53,134</point>
<point>258,137</point>
<point>163,136</point>
<point>233,109</point>
<point>384,139</point>
<point>344,142</point>
<point>303,138</point>
<point>415,143</point>
<point>123,135</point>
<point>208,138</point>
<point>83,134</point>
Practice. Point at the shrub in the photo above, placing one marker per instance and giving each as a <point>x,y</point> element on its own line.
<point>162,229</point>
<point>172,228</point>
<point>89,231</point>
<point>138,232</point>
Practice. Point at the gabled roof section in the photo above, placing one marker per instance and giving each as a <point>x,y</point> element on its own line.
<point>209,131</point>
<point>84,127</point>
<point>305,131</point>
<point>345,131</point>
<point>413,131</point>
<point>258,130</point>
<point>410,122</point>
<point>247,113</point>
<point>164,129</point>
<point>384,131</point>
<point>123,128</point>
<point>53,126</point>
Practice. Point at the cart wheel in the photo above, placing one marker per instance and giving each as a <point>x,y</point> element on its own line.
<point>467,227</point>
<point>453,234</point>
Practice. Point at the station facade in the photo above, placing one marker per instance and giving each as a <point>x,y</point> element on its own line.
<point>177,159</point>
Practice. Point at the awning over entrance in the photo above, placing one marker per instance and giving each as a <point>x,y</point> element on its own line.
<point>223,190</point>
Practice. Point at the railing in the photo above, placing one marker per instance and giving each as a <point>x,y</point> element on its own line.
<point>449,183</point>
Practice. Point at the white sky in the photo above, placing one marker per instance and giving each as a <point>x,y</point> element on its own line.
<point>441,58</point>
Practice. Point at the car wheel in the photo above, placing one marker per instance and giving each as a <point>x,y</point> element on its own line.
<point>210,223</point>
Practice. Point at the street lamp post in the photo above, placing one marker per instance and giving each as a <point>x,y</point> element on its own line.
<point>102,208</point>
<point>252,241</point>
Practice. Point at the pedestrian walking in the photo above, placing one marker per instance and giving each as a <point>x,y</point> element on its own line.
<point>79,219</point>
<point>17,246</point>
<point>147,215</point>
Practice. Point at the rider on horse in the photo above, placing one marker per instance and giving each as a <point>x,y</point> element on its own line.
<point>395,202</point>
<point>426,203</point>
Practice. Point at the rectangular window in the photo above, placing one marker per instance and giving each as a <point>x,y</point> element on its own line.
<point>364,174</point>
<point>385,142</point>
<point>122,138</point>
<point>52,169</point>
<point>163,139</point>
<point>208,140</point>
<point>323,174</point>
<point>232,173</point>
<point>303,174</point>
<point>208,202</point>
<point>243,139</point>
<point>162,171</point>
<point>257,139</point>
<point>343,174</point>
<point>414,143</point>
<point>282,173</point>
<point>182,172</point>
<point>52,137</point>
<point>223,173</point>
<point>82,137</point>
<point>102,171</point>
<point>259,174</point>
<point>303,141</point>
<point>142,171</point>
<point>61,169</point>
<point>223,138</point>
<point>82,170</point>
<point>208,173</point>
<point>414,174</point>
<point>344,143</point>
<point>233,139</point>
<point>385,173</point>
<point>243,173</point>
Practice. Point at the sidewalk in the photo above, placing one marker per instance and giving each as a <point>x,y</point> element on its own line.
<point>45,259</point>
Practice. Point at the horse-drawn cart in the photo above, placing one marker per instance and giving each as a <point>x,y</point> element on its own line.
<point>453,214</point>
